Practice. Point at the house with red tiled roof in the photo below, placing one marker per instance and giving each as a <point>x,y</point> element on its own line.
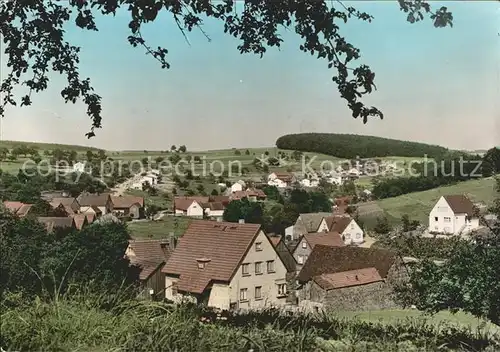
<point>453,215</point>
<point>148,257</point>
<point>19,208</point>
<point>52,223</point>
<point>280,179</point>
<point>347,227</point>
<point>71,205</point>
<point>350,278</point>
<point>100,200</point>
<point>252,194</point>
<point>190,206</point>
<point>227,266</point>
<point>128,206</point>
<point>81,220</point>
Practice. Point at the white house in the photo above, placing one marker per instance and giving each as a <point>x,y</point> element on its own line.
<point>344,225</point>
<point>79,167</point>
<point>335,179</point>
<point>151,179</point>
<point>453,215</point>
<point>190,206</point>
<point>280,179</point>
<point>237,186</point>
<point>309,183</point>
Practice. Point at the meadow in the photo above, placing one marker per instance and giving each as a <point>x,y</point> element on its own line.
<point>158,229</point>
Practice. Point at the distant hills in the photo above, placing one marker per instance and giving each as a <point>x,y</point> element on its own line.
<point>350,146</point>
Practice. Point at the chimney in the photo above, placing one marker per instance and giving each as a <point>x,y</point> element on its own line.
<point>172,240</point>
<point>241,221</point>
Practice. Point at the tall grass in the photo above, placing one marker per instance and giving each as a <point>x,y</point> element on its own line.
<point>81,320</point>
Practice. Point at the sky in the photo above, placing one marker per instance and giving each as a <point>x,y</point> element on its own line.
<point>439,86</point>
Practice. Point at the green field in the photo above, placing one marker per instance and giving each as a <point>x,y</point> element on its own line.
<point>45,146</point>
<point>418,205</point>
<point>159,228</point>
<point>443,318</point>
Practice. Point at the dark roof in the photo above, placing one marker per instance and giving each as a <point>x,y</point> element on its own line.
<point>222,199</point>
<point>311,221</point>
<point>125,202</point>
<point>286,257</point>
<point>148,255</point>
<point>330,260</point>
<point>348,278</point>
<point>223,243</point>
<point>183,203</point>
<point>66,201</point>
<point>331,239</point>
<point>460,204</point>
<point>337,223</point>
<point>98,200</point>
<point>56,222</point>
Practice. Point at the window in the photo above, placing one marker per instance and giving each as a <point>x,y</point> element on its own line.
<point>258,268</point>
<point>244,269</point>
<point>243,294</point>
<point>174,288</point>
<point>447,219</point>
<point>270,266</point>
<point>258,292</point>
<point>304,244</point>
<point>300,259</point>
<point>436,218</point>
<point>352,226</point>
<point>358,236</point>
<point>281,290</point>
<point>201,265</point>
<point>347,235</point>
<point>258,246</point>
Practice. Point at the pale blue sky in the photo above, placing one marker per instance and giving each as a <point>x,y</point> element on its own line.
<point>438,86</point>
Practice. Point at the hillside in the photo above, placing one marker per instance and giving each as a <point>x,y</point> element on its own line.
<point>418,205</point>
<point>45,146</point>
<point>351,145</point>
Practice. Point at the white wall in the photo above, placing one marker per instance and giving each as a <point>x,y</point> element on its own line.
<point>195,209</point>
<point>441,211</point>
<point>236,187</point>
<point>353,233</point>
<point>323,227</point>
<point>268,281</point>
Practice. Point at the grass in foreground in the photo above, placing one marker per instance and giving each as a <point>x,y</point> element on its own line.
<point>99,323</point>
<point>159,228</point>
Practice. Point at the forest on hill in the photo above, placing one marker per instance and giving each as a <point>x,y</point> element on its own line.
<point>351,146</point>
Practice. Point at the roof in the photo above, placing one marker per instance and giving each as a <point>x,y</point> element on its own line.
<point>223,243</point>
<point>183,203</point>
<point>337,223</point>
<point>66,201</point>
<point>460,204</point>
<point>90,217</point>
<point>80,220</point>
<point>331,239</point>
<point>286,257</point>
<point>221,199</point>
<point>284,176</point>
<point>93,207</point>
<point>19,208</point>
<point>125,202</point>
<point>330,260</point>
<point>98,200</point>
<point>216,206</point>
<point>56,222</point>
<point>148,255</point>
<point>311,221</point>
<point>248,193</point>
<point>348,278</point>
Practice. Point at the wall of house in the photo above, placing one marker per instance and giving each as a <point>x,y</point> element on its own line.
<point>216,213</point>
<point>440,211</point>
<point>179,212</point>
<point>169,294</point>
<point>195,209</point>
<point>236,187</point>
<point>155,282</point>
<point>289,231</point>
<point>134,212</point>
<point>323,227</point>
<point>303,250</point>
<point>219,296</point>
<point>353,233</point>
<point>267,281</point>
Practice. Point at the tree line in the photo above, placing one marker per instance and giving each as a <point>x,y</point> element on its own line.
<point>351,146</point>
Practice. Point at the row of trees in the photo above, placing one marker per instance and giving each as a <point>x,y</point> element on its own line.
<point>280,211</point>
<point>36,262</point>
<point>351,146</point>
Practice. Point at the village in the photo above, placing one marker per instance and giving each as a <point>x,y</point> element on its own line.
<point>324,260</point>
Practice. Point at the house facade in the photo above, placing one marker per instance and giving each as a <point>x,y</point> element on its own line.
<point>226,266</point>
<point>347,227</point>
<point>79,167</point>
<point>128,206</point>
<point>453,215</point>
<point>280,179</point>
<point>350,278</point>
<point>101,201</point>
<point>306,223</point>
<point>70,204</point>
<point>190,206</point>
<point>306,245</point>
